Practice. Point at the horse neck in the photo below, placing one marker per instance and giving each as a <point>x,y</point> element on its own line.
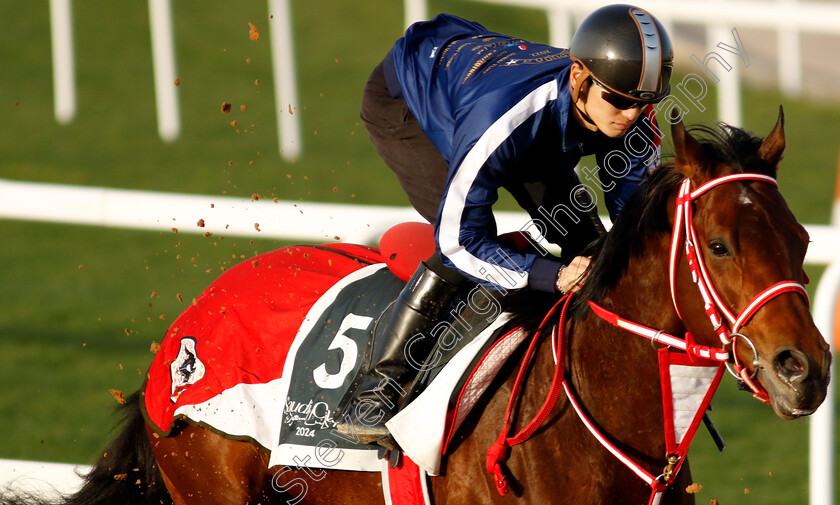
<point>614,373</point>
<point>643,293</point>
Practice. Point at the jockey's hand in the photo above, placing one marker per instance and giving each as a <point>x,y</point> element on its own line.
<point>570,278</point>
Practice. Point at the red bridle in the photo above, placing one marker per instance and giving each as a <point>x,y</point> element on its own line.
<point>727,330</point>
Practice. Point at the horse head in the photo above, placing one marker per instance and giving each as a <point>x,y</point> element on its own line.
<point>750,249</point>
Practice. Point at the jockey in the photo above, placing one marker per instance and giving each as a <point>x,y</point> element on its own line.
<point>458,112</point>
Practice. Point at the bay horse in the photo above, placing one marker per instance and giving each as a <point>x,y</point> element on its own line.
<point>739,235</point>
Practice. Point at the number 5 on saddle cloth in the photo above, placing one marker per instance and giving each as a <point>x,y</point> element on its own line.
<point>425,326</point>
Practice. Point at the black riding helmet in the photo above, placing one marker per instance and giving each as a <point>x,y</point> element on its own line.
<point>626,50</point>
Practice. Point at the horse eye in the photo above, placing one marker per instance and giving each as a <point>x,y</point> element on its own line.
<point>719,249</point>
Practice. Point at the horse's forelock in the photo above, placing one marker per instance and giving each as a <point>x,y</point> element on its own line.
<point>729,149</point>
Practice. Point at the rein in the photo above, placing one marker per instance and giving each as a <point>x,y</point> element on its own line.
<point>698,365</point>
<point>498,452</point>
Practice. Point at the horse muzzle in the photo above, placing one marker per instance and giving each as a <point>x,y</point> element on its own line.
<point>795,381</point>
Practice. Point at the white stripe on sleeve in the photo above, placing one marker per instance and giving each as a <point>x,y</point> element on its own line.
<point>467,172</point>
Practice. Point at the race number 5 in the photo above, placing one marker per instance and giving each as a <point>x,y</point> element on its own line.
<point>326,380</point>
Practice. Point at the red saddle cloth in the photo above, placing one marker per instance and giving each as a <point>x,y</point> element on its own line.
<point>265,298</point>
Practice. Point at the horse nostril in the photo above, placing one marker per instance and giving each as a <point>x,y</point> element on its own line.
<point>791,365</point>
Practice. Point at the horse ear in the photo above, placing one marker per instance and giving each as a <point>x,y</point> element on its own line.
<point>773,147</point>
<point>688,151</point>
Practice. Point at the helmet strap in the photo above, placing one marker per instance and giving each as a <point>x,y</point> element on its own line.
<point>582,113</point>
<point>584,75</point>
<point>586,117</point>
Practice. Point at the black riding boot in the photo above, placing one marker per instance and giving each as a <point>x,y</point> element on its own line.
<point>398,354</point>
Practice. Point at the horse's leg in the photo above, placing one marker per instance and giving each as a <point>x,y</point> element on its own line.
<point>200,467</point>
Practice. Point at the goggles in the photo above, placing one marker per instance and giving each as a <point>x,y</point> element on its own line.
<point>616,100</point>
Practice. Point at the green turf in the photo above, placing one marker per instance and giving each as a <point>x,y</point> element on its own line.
<point>81,305</point>
<point>765,460</point>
